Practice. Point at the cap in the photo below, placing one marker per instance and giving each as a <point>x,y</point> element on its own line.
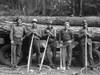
<point>34,20</point>
<point>16,20</point>
<point>84,22</point>
<point>66,23</point>
<point>49,22</point>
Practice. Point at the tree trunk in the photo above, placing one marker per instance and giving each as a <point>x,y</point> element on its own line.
<point>81,7</point>
<point>44,8</point>
<point>73,7</point>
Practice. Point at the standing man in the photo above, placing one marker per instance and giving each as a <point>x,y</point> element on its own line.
<point>16,37</point>
<point>49,31</point>
<point>36,41</point>
<point>66,36</point>
<point>82,34</point>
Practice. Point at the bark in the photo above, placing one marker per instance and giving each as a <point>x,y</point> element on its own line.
<point>58,20</point>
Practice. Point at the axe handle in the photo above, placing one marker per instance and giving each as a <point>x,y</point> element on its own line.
<point>61,58</point>
<point>86,51</point>
<point>44,54</point>
<point>30,51</point>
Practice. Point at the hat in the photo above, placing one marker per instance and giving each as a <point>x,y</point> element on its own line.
<point>84,22</point>
<point>16,20</point>
<point>34,20</point>
<point>49,22</point>
<point>66,23</point>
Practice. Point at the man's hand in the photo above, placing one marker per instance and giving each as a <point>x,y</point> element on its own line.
<point>12,42</point>
<point>60,44</point>
<point>70,41</point>
<point>49,33</point>
<point>22,39</point>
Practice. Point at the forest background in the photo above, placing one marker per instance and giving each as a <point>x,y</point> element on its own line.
<point>50,7</point>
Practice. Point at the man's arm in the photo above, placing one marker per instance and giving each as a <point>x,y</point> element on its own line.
<point>81,33</point>
<point>38,33</point>
<point>72,37</point>
<point>27,32</point>
<point>44,32</point>
<point>52,33</point>
<point>90,33</point>
<point>60,40</point>
<point>11,34</point>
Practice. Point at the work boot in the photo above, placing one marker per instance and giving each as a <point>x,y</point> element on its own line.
<point>54,60</point>
<point>52,66</point>
<point>68,68</point>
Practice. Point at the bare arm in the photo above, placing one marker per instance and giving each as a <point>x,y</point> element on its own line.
<point>11,33</point>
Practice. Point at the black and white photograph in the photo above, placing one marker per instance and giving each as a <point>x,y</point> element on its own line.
<point>49,37</point>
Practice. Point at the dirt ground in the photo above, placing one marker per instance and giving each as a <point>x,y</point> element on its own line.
<point>22,70</point>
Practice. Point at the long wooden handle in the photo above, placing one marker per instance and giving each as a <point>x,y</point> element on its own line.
<point>86,51</point>
<point>29,57</point>
<point>44,54</point>
<point>61,58</point>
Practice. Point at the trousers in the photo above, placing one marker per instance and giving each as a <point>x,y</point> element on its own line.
<point>51,47</point>
<point>15,53</point>
<point>89,55</point>
<point>36,49</point>
<point>68,52</point>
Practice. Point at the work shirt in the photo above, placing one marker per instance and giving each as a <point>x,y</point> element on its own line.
<point>37,34</point>
<point>65,35</point>
<point>82,36</point>
<point>52,35</point>
<point>17,32</point>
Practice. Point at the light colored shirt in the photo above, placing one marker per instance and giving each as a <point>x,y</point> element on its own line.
<point>17,32</point>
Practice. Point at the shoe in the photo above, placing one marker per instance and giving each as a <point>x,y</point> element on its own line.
<point>52,66</point>
<point>91,68</point>
<point>14,67</point>
<point>68,68</point>
<point>63,68</point>
<point>38,65</point>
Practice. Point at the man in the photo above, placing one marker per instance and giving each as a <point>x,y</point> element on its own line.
<point>82,34</point>
<point>36,41</point>
<point>16,37</point>
<point>66,37</point>
<point>49,31</point>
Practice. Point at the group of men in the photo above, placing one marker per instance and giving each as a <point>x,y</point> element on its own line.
<point>66,37</point>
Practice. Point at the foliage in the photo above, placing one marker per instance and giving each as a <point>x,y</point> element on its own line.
<point>50,7</point>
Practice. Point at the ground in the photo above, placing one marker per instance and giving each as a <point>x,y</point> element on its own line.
<point>22,70</point>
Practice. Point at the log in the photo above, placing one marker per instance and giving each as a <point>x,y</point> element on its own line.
<point>76,23</point>
<point>93,21</point>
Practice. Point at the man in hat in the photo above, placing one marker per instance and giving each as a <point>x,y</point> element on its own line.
<point>16,37</point>
<point>66,36</point>
<point>36,40</point>
<point>82,34</point>
<point>49,31</point>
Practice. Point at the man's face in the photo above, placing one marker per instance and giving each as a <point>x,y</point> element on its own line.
<point>49,26</point>
<point>85,26</point>
<point>67,25</point>
<point>19,21</point>
<point>34,25</point>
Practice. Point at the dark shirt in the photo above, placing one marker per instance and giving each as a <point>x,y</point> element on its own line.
<point>52,35</point>
<point>82,36</point>
<point>65,35</point>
